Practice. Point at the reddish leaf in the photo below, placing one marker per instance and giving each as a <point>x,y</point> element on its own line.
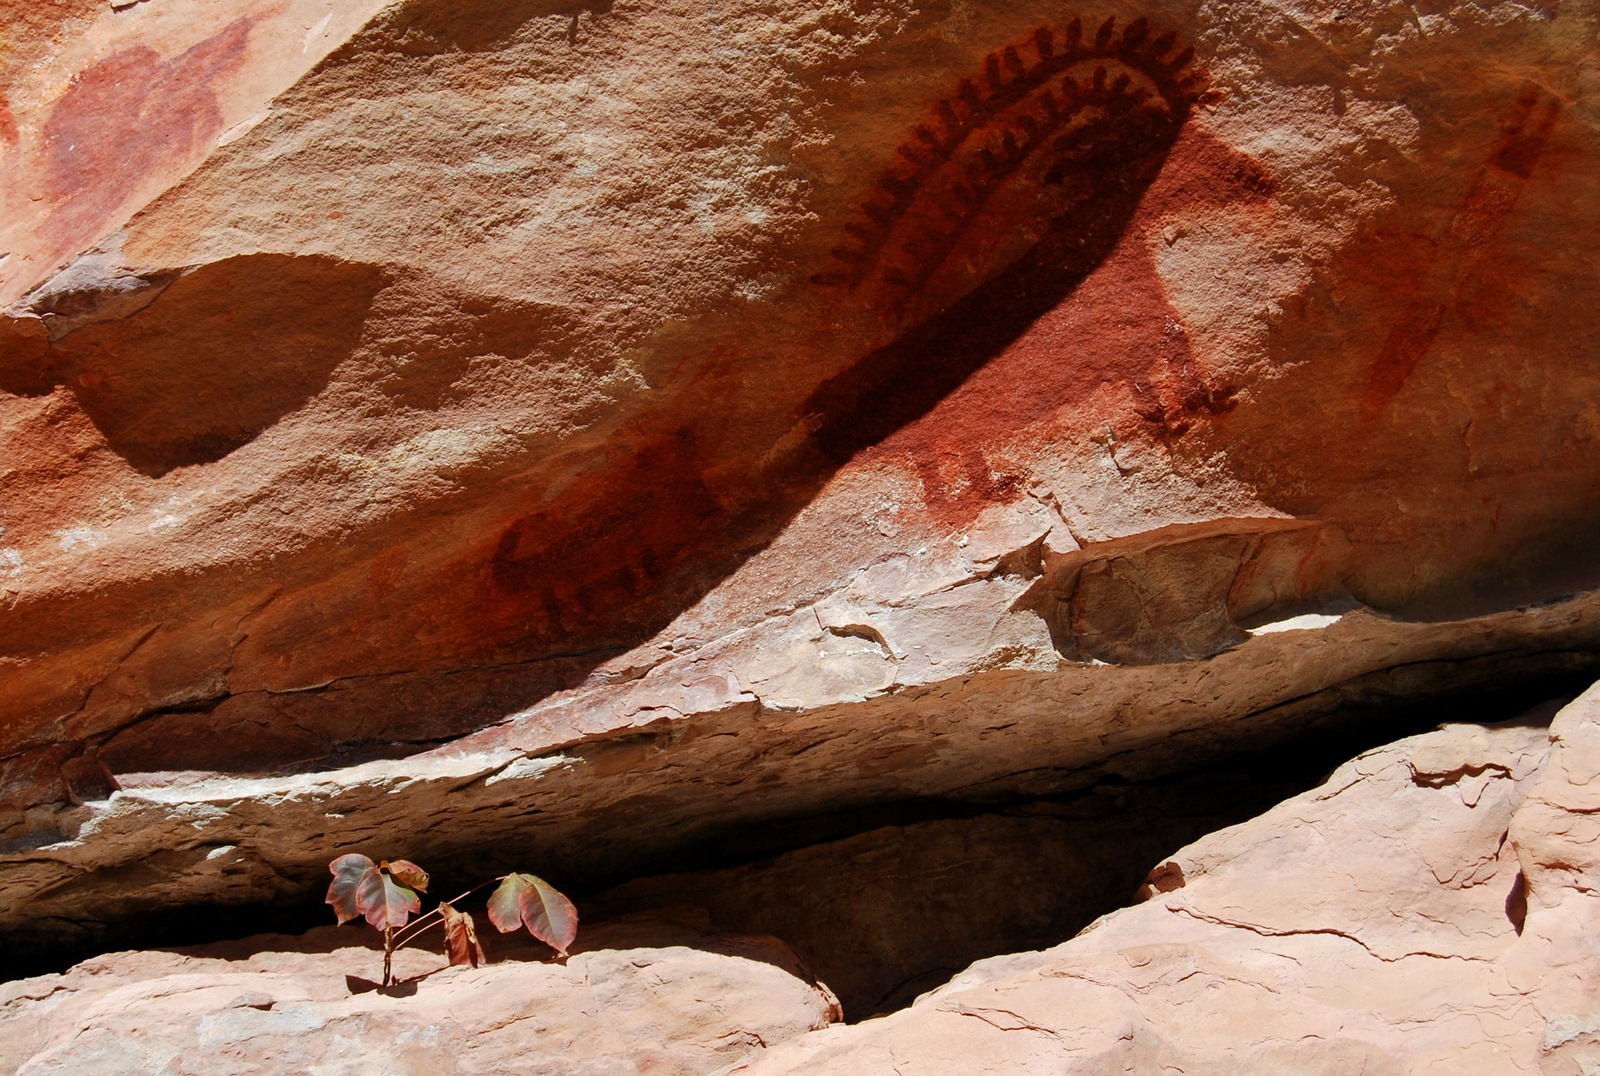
<point>505,907</point>
<point>527,900</point>
<point>348,874</point>
<point>549,915</point>
<point>385,901</point>
<point>461,937</point>
<point>408,872</point>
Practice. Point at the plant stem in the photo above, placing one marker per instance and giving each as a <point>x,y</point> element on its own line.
<point>415,933</point>
<point>388,955</point>
<point>417,929</point>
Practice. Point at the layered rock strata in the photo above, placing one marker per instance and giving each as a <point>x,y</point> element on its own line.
<point>570,429</point>
<point>596,787</point>
<point>1431,906</point>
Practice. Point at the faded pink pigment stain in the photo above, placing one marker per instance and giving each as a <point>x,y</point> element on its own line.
<point>8,124</point>
<point>130,119</point>
<point>1449,265</point>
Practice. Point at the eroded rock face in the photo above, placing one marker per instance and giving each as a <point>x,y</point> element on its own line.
<point>571,428</point>
<point>1432,908</point>
<point>639,996</point>
<point>603,785</point>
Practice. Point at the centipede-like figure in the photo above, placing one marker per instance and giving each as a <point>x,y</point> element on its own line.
<point>1049,121</point>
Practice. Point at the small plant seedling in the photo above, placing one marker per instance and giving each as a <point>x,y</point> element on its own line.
<point>386,895</point>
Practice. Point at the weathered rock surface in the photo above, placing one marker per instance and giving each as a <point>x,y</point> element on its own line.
<point>573,429</point>
<point>547,789</point>
<point>634,997</point>
<point>1433,908</point>
<point>883,915</point>
<point>104,106</point>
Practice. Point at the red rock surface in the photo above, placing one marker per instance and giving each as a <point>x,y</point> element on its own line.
<point>495,339</point>
<point>105,106</point>
<point>458,417</point>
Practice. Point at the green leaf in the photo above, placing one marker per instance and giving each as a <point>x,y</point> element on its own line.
<point>461,937</point>
<point>528,900</point>
<point>408,872</point>
<point>385,900</point>
<point>348,874</point>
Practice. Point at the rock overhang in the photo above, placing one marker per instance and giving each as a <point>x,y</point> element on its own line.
<point>581,458</point>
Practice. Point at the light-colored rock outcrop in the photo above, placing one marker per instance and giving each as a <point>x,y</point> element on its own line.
<point>1433,908</point>
<point>635,997</point>
<point>616,797</point>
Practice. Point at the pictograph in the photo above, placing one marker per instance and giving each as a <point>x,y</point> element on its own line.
<point>1041,131</point>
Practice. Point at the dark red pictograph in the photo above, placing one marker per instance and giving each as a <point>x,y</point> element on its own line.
<point>1045,126</point>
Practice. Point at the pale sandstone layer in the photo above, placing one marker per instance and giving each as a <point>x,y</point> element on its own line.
<point>635,997</point>
<point>475,382</point>
<point>1433,908</point>
<point>597,787</point>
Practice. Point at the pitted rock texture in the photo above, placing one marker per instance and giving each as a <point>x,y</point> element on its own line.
<point>1434,907</point>
<point>604,422</point>
<point>635,997</point>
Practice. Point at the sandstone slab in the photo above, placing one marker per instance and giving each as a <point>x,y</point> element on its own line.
<point>635,997</point>
<point>1431,908</point>
<point>600,785</point>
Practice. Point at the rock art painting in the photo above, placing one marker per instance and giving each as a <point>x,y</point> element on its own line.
<point>1040,339</point>
<point>1447,272</point>
<point>843,491</point>
<point>1026,148</point>
<point>994,211</point>
<point>130,115</point>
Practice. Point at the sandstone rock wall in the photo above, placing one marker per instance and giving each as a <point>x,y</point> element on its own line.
<point>1431,906</point>
<point>569,428</point>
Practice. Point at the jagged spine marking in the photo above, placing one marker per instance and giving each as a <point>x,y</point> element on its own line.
<point>1073,96</point>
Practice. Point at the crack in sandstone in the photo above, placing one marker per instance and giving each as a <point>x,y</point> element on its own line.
<point>1269,932</point>
<point>1021,1022</point>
